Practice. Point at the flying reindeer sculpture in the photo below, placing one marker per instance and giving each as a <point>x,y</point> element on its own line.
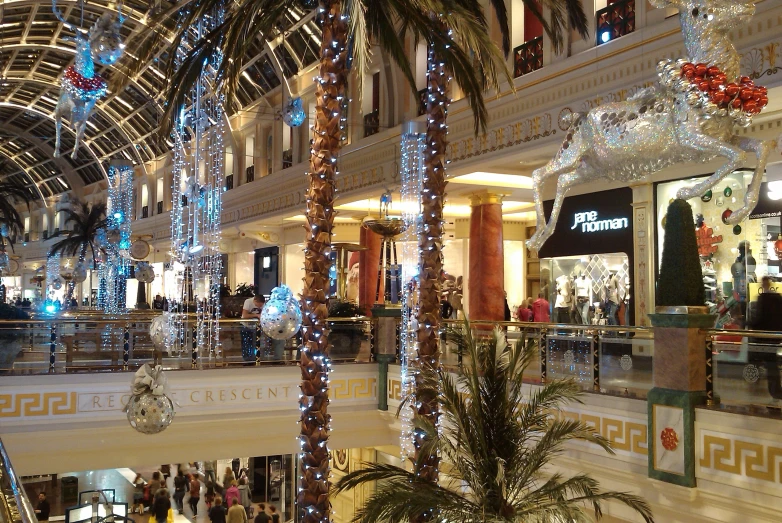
<point>688,116</point>
<point>81,87</point>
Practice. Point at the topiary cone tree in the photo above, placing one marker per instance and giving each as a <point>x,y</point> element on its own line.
<point>680,281</point>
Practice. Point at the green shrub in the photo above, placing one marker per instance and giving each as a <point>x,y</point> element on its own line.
<point>680,281</point>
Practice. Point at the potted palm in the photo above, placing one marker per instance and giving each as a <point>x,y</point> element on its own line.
<point>82,223</point>
<point>682,368</point>
<point>497,440</point>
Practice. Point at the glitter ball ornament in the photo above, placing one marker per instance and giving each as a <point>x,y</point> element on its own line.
<point>707,196</point>
<point>80,272</point>
<point>727,192</point>
<point>149,408</point>
<point>726,216</point>
<point>281,316</point>
<point>57,283</point>
<point>737,229</point>
<point>144,272</point>
<point>149,413</point>
<point>293,113</point>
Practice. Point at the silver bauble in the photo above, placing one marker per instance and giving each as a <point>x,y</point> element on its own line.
<point>293,113</point>
<point>281,316</point>
<point>144,272</point>
<point>162,331</point>
<point>149,413</point>
<point>56,283</point>
<point>80,272</point>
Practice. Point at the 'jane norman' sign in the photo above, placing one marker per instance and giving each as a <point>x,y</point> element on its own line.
<point>589,222</point>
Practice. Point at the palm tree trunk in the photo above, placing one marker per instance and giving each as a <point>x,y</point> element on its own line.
<point>430,241</point>
<point>313,497</point>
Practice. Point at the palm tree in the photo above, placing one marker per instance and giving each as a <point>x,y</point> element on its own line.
<point>12,195</point>
<point>82,223</point>
<point>496,442</point>
<point>564,13</point>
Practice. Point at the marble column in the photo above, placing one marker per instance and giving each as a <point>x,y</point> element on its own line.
<point>486,280</point>
<point>368,261</point>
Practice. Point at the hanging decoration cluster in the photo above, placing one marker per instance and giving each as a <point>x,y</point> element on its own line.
<point>199,156</point>
<point>81,87</point>
<point>413,150</point>
<point>114,240</point>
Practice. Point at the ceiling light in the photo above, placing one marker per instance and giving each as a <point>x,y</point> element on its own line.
<point>487,179</point>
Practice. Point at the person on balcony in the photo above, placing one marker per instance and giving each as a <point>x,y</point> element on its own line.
<point>768,317</point>
<point>540,309</point>
<point>42,510</point>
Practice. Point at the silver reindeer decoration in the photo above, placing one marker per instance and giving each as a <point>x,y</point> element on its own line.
<point>688,117</point>
<point>81,87</point>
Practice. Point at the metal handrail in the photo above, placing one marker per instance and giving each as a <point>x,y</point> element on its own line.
<point>15,502</point>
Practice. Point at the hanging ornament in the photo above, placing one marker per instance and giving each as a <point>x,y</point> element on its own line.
<point>149,409</point>
<point>113,236</point>
<point>79,272</point>
<point>57,283</point>
<point>107,43</point>
<point>727,192</point>
<point>281,316</point>
<point>726,215</point>
<point>144,272</point>
<point>737,229</point>
<point>707,196</point>
<point>720,201</point>
<point>293,113</point>
<point>162,332</point>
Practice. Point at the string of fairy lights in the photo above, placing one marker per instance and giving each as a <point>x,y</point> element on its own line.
<point>413,149</point>
<point>119,215</point>
<point>197,186</point>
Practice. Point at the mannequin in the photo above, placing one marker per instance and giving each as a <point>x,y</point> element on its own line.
<point>743,270</point>
<point>583,297</point>
<point>564,299</point>
<point>612,298</point>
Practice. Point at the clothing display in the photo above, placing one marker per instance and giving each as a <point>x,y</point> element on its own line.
<point>564,297</point>
<point>583,298</point>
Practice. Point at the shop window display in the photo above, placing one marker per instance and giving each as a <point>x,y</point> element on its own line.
<point>588,290</point>
<point>733,257</point>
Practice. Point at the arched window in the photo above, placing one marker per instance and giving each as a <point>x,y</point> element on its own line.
<point>144,201</point>
<point>159,194</point>
<point>269,153</point>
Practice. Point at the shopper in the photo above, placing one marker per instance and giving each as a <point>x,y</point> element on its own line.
<point>768,317</point>
<point>524,311</point>
<point>155,484</point>
<point>263,516</point>
<point>232,493</point>
<point>275,515</point>
<point>540,309</point>
<point>195,495</point>
<point>507,308</point>
<point>244,496</point>
<point>166,470</point>
<point>236,514</point>
<point>210,495</point>
<point>209,471</point>
<point>138,494</point>
<point>161,510</point>
<point>42,509</point>
<point>228,477</point>
<point>217,513</point>
<point>180,488</point>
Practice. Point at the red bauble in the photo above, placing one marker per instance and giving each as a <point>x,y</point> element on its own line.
<point>746,80</point>
<point>700,69</point>
<point>746,93</point>
<point>703,85</point>
<point>750,106</point>
<point>725,215</point>
<point>713,70</point>
<point>778,246</point>
<point>732,90</point>
<point>718,97</point>
<point>736,103</point>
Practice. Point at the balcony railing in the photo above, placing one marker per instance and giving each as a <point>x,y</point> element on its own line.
<point>618,19</point>
<point>422,94</point>
<point>145,211</point>
<point>371,123</point>
<point>528,57</point>
<point>250,173</point>
<point>85,340</point>
<point>287,158</point>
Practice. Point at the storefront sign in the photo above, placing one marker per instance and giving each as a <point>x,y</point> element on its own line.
<point>769,201</point>
<point>590,223</point>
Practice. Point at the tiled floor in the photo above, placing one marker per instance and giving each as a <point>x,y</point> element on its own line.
<point>121,481</point>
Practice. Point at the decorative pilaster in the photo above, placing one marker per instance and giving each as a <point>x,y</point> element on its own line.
<point>643,245</point>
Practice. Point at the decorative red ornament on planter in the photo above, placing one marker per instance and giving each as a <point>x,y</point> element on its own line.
<point>778,247</point>
<point>669,439</point>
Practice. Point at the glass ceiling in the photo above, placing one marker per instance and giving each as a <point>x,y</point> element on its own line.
<point>34,52</point>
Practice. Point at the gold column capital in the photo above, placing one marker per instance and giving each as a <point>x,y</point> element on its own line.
<point>483,198</point>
